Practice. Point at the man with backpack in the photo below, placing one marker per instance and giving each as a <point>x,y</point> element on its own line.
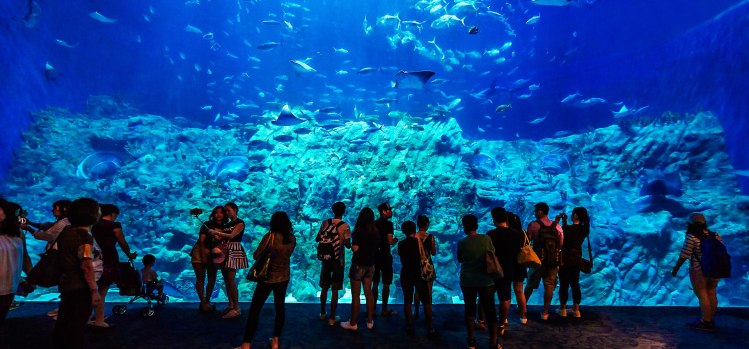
<point>708,263</point>
<point>547,238</point>
<point>333,235</point>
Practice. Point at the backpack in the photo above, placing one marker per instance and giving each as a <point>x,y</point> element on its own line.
<point>715,260</point>
<point>548,245</point>
<point>329,242</point>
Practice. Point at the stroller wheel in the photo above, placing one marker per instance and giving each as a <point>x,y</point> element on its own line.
<point>147,312</point>
<point>165,300</point>
<point>119,309</point>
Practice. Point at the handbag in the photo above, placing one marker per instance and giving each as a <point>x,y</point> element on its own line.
<point>426,267</point>
<point>527,257</point>
<point>493,268</point>
<point>47,272</point>
<point>586,265</point>
<point>129,282</point>
<point>220,252</point>
<point>259,270</point>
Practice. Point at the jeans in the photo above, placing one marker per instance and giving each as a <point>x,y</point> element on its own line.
<point>569,276</point>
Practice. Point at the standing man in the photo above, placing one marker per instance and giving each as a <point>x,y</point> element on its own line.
<point>78,291</point>
<point>547,238</point>
<point>384,263</point>
<point>333,235</point>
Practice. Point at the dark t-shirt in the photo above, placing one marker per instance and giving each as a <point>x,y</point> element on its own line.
<point>385,227</point>
<point>230,226</point>
<point>507,244</point>
<point>103,233</point>
<point>408,250</point>
<point>572,250</point>
<point>74,245</point>
<point>208,240</point>
<point>368,240</point>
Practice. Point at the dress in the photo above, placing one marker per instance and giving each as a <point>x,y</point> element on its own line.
<point>104,236</point>
<point>237,258</point>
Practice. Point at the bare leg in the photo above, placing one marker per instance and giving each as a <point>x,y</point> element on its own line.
<point>231,287</point>
<point>200,281</point>
<point>333,303</point>
<point>99,309</point>
<point>355,301</point>
<point>370,299</point>
<point>323,300</point>
<point>520,298</point>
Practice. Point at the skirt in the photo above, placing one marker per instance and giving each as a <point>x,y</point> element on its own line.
<point>237,258</point>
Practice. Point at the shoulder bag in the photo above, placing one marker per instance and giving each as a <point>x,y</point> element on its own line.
<point>586,265</point>
<point>259,270</point>
<point>47,272</point>
<point>527,257</point>
<point>426,266</point>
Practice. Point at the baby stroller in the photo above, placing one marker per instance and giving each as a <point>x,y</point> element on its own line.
<point>130,284</point>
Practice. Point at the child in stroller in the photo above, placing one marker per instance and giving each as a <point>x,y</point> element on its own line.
<point>151,289</point>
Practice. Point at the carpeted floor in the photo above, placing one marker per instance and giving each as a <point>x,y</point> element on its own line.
<point>180,325</point>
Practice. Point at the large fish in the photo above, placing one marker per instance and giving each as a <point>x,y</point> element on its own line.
<point>286,118</point>
<point>412,80</point>
<point>301,67</point>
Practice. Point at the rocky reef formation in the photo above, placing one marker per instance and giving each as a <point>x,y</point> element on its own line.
<point>638,180</point>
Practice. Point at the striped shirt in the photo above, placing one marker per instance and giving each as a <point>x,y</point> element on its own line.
<point>692,250</point>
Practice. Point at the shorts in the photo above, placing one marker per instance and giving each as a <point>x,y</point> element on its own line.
<point>331,274</point>
<point>521,273</point>
<point>359,273</point>
<point>548,274</point>
<point>110,275</point>
<point>504,289</point>
<point>384,266</point>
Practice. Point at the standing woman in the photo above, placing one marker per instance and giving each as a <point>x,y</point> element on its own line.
<point>107,234</point>
<point>13,256</point>
<point>572,256</point>
<point>202,261</point>
<point>475,281</point>
<point>282,243</point>
<point>366,240</point>
<point>235,259</point>
<point>430,249</point>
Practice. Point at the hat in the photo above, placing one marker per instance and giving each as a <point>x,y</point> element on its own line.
<point>384,206</point>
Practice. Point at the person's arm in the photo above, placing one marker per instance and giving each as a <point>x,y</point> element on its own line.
<point>201,247</point>
<point>324,225</point>
<point>85,254</point>
<point>123,244</point>
<point>392,240</point>
<point>434,245</point>
<point>560,232</point>
<point>686,251</point>
<point>346,235</point>
<point>27,265</point>
<point>460,252</point>
<point>234,232</point>
<point>51,233</point>
<point>261,246</point>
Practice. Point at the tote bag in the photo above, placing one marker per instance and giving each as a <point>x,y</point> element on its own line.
<point>527,257</point>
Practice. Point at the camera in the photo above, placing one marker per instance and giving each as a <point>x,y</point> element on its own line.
<point>22,217</point>
<point>196,211</point>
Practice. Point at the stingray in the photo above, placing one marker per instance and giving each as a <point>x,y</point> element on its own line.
<point>412,80</point>
<point>658,203</point>
<point>483,166</point>
<point>230,167</point>
<point>555,164</point>
<point>170,290</point>
<point>660,183</point>
<point>100,165</point>
<point>287,118</point>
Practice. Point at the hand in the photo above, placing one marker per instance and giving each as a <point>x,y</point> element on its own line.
<point>95,298</point>
<point>133,255</point>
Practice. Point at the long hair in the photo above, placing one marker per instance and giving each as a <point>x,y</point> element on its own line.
<point>10,225</point>
<point>365,221</point>
<point>212,217</point>
<point>280,223</point>
<point>583,217</point>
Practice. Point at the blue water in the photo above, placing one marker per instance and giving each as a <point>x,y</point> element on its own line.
<point>667,59</point>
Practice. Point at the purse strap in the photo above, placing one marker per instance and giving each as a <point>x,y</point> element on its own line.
<point>590,250</point>
<point>421,247</point>
<point>527,241</point>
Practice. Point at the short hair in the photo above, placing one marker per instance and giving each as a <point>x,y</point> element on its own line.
<point>339,208</point>
<point>408,228</point>
<point>422,221</point>
<point>543,207</point>
<point>63,205</point>
<point>470,222</point>
<point>233,206</point>
<point>149,259</point>
<point>383,206</point>
<point>107,209</point>
<point>499,215</point>
<point>83,212</point>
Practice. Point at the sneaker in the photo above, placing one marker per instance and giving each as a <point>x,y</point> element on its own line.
<point>53,312</point>
<point>323,316</point>
<point>702,325</point>
<point>507,322</point>
<point>480,325</point>
<point>348,326</point>
<point>332,321</point>
<point>471,343</point>
<point>389,312</point>
<point>501,330</point>
<point>370,324</point>
<point>544,316</point>
<point>523,320</point>
<point>231,314</point>
<point>575,313</point>
<point>563,312</point>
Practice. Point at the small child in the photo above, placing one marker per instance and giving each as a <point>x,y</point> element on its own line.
<point>149,277</point>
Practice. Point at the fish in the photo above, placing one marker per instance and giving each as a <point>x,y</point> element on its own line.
<point>341,72</point>
<point>101,18</point>
<point>284,138</point>
<point>473,30</point>
<point>571,97</point>
<point>271,22</point>
<point>454,103</point>
<point>368,70</point>
<point>65,44</point>
<point>657,182</point>
<point>533,20</point>
<point>367,28</point>
<point>412,80</point>
<point>342,51</point>
<point>556,2</point>
<point>446,20</point>
<point>538,120</point>
<point>50,72</point>
<point>386,100</point>
<point>534,87</point>
<point>286,118</point>
<point>503,107</point>
<point>193,29</point>
<point>301,67</point>
<point>206,107</point>
<point>267,46</point>
<point>624,111</point>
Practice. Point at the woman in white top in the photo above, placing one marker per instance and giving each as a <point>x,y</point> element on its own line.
<point>13,256</point>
